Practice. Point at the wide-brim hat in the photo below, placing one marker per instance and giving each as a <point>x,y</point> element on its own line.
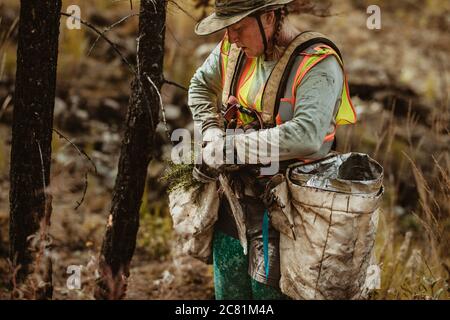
<point>228,12</point>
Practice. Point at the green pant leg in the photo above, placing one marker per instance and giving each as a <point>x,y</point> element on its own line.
<point>231,279</point>
<point>262,291</point>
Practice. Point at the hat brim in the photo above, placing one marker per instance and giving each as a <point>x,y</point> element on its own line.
<point>214,23</point>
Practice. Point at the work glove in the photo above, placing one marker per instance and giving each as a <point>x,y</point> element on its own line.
<point>213,153</point>
<point>220,155</point>
<point>214,159</point>
<point>212,134</point>
<point>203,172</point>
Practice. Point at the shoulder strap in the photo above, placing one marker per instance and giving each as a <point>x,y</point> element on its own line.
<point>231,69</point>
<point>276,84</point>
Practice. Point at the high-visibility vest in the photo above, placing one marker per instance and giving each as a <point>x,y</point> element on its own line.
<point>237,76</point>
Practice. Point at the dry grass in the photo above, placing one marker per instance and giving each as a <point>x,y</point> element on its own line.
<point>412,244</point>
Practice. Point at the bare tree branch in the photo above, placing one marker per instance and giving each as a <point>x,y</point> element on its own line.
<point>173,36</point>
<point>175,85</point>
<point>81,153</point>
<point>79,203</point>
<point>6,35</point>
<point>163,111</point>
<point>5,105</point>
<point>104,37</point>
<point>109,29</point>
<point>43,170</point>
<point>183,10</point>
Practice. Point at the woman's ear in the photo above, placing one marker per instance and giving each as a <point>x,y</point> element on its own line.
<point>268,19</point>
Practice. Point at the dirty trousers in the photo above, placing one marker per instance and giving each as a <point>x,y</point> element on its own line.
<point>237,276</point>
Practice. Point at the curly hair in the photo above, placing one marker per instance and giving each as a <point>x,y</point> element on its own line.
<point>280,15</point>
<point>283,33</point>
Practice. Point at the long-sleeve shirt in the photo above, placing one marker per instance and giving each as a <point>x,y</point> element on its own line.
<point>316,104</point>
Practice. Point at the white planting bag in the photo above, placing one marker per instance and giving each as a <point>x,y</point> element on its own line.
<point>327,214</point>
<point>194,212</point>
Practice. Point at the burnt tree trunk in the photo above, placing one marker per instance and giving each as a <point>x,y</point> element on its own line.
<point>123,222</point>
<point>34,101</point>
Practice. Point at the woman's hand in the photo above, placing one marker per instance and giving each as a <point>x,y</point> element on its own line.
<point>213,153</point>
<point>207,170</point>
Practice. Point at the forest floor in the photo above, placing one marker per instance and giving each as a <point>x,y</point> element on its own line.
<point>404,64</point>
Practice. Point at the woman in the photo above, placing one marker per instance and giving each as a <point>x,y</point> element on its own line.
<point>305,129</point>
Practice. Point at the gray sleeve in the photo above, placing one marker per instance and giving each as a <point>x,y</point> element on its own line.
<point>317,101</point>
<point>204,90</point>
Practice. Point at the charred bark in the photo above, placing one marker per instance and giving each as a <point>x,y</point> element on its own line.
<point>34,98</point>
<point>136,152</point>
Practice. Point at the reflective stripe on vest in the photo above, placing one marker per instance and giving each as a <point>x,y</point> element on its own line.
<point>243,91</point>
<point>244,83</point>
<point>345,115</point>
<point>224,53</point>
<point>346,112</point>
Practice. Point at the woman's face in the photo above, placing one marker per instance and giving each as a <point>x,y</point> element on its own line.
<point>246,35</point>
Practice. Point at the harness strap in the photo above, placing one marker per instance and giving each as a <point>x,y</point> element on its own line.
<point>261,30</point>
<point>276,84</point>
<point>232,68</point>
